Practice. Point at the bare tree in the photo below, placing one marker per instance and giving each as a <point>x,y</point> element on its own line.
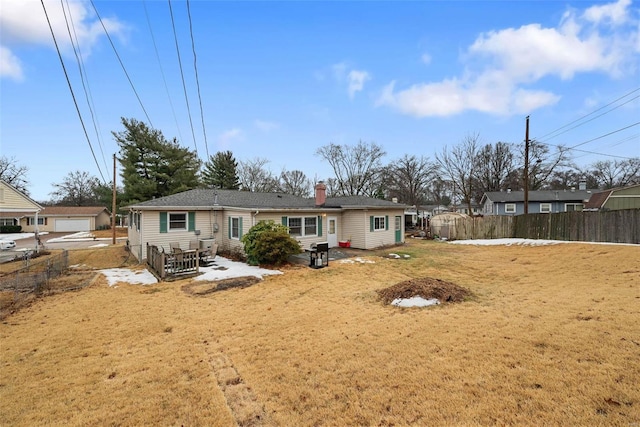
<point>458,166</point>
<point>616,173</point>
<point>543,162</point>
<point>495,165</point>
<point>295,182</point>
<point>14,174</point>
<point>254,176</point>
<point>408,178</point>
<point>77,189</point>
<point>357,168</point>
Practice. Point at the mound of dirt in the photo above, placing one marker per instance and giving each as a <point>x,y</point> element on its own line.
<point>204,288</point>
<point>427,288</point>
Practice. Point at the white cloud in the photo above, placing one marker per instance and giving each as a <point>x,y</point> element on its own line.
<point>615,13</point>
<point>503,65</point>
<point>227,137</point>
<point>10,66</point>
<point>23,22</point>
<point>266,126</point>
<point>356,81</point>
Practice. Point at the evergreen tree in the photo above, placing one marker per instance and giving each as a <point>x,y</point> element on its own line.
<point>151,165</point>
<point>221,171</point>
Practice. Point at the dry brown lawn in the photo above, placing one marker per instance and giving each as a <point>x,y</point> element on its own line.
<point>551,336</point>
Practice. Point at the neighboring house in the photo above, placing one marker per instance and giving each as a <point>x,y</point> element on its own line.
<point>615,199</point>
<point>226,215</point>
<point>15,206</point>
<point>547,201</point>
<point>464,208</point>
<point>63,219</point>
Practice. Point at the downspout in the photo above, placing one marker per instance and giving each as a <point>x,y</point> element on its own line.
<point>37,232</point>
<point>253,219</point>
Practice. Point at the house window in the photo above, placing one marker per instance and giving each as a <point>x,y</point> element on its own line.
<point>570,207</point>
<point>177,221</point>
<point>138,218</point>
<point>378,223</point>
<point>7,221</point>
<point>303,226</point>
<point>510,208</point>
<point>32,221</point>
<point>235,228</point>
<point>545,207</point>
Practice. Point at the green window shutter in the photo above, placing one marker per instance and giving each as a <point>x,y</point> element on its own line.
<point>192,221</point>
<point>319,225</point>
<point>229,228</point>
<point>284,221</point>
<point>371,223</point>
<point>240,227</point>
<point>163,222</point>
<point>386,222</point>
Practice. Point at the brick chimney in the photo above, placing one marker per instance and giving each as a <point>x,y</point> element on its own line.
<point>321,193</point>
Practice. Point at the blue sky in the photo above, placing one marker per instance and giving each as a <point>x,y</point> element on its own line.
<point>278,80</point>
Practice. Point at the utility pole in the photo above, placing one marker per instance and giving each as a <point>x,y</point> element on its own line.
<point>113,204</point>
<point>526,168</point>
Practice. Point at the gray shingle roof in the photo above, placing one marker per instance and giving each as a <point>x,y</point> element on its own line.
<point>207,198</point>
<point>539,196</point>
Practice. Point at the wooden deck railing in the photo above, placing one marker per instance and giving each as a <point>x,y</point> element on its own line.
<point>170,265</point>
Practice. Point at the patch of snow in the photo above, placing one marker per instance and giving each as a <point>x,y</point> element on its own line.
<point>134,277</point>
<point>356,260</point>
<point>394,256</point>
<point>528,242</point>
<point>414,302</point>
<point>226,269</point>
<point>407,256</point>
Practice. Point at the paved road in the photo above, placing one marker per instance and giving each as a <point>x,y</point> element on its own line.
<point>51,241</point>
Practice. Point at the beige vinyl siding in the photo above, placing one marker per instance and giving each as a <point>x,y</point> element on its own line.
<point>354,224</point>
<point>16,201</point>
<point>229,244</point>
<point>376,239</point>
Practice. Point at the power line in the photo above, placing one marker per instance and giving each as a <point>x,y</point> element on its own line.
<point>602,136</point>
<point>184,86</point>
<point>121,63</point>
<point>195,66</point>
<point>66,75</point>
<point>164,79</point>
<point>587,115</point>
<point>593,118</point>
<point>83,76</point>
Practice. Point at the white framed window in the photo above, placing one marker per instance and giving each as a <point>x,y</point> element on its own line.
<point>378,223</point>
<point>235,228</point>
<point>177,221</point>
<point>303,226</point>
<point>545,207</point>
<point>570,207</point>
<point>510,208</point>
<point>32,221</point>
<point>7,221</point>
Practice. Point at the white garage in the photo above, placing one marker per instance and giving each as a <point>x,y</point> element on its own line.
<point>66,225</point>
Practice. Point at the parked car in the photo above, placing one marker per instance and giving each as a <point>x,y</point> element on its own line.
<point>7,244</point>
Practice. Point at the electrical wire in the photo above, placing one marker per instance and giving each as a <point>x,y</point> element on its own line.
<point>164,79</point>
<point>541,139</point>
<point>195,67</point>
<point>184,86</point>
<point>66,75</point>
<point>87,93</point>
<point>121,64</point>
<point>605,135</point>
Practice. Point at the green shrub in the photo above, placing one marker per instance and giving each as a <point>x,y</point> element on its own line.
<point>10,228</point>
<point>269,243</point>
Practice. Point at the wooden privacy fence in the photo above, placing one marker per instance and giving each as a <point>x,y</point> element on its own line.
<point>621,226</point>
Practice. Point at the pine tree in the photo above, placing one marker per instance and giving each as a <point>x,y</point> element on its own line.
<point>221,171</point>
<point>151,165</point>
